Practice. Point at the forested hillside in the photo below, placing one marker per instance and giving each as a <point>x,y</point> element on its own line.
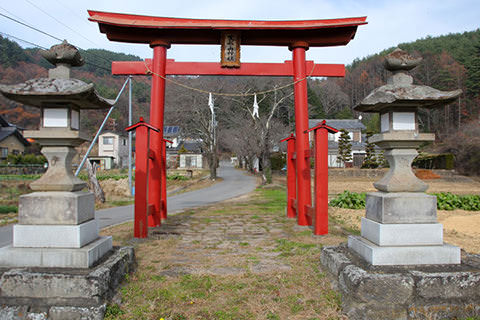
<point>449,62</point>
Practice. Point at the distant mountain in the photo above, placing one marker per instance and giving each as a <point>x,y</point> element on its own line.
<point>450,62</point>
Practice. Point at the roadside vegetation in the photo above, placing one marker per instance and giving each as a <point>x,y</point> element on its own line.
<point>445,201</point>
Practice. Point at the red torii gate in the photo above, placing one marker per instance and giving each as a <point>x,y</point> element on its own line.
<point>298,36</point>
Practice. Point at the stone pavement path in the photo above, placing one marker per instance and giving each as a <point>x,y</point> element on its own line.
<point>222,245</point>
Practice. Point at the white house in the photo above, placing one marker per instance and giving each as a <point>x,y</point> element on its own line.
<point>354,128</point>
<point>111,144</point>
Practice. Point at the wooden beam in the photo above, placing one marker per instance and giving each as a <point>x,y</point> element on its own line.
<point>284,69</point>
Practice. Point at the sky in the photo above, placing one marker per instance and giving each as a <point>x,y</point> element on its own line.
<point>389,23</point>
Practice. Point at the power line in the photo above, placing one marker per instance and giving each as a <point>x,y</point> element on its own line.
<point>33,44</point>
<point>41,47</point>
<point>52,36</point>
<point>29,26</point>
<point>12,14</point>
<point>63,24</point>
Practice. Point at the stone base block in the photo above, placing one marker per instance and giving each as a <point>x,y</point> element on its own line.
<point>404,292</point>
<point>402,234</point>
<point>84,257</point>
<point>65,208</point>
<point>54,236</point>
<point>403,255</point>
<point>59,294</point>
<point>401,207</point>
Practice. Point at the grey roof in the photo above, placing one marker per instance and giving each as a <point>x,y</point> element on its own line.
<point>356,146</point>
<point>190,146</point>
<point>338,123</point>
<point>7,129</point>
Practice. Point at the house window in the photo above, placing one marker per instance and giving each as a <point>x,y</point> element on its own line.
<point>124,142</point>
<point>3,152</point>
<point>108,140</point>
<point>331,137</point>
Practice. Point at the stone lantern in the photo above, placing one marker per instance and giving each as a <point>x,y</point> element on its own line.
<point>401,226</point>
<point>58,216</point>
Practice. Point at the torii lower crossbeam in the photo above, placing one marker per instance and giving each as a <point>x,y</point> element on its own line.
<point>284,69</point>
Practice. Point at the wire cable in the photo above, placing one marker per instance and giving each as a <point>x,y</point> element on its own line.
<point>60,22</point>
<point>41,47</point>
<point>56,38</point>
<point>29,26</point>
<point>149,71</point>
<point>31,43</point>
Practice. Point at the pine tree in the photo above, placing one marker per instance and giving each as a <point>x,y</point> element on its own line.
<point>473,80</point>
<point>370,160</point>
<point>344,147</point>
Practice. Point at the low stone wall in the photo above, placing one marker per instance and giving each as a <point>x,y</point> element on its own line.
<point>404,292</point>
<point>22,169</point>
<point>354,172</point>
<point>373,173</point>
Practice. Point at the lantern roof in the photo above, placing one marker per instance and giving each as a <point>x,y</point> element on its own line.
<point>41,91</point>
<point>400,92</point>
<point>145,29</point>
<point>58,88</point>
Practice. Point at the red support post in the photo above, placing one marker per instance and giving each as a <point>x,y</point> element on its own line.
<point>320,215</point>
<point>163,207</point>
<point>304,194</point>
<point>142,159</point>
<point>291,177</point>
<point>157,172</point>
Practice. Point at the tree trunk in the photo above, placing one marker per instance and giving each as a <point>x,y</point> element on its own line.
<point>212,164</point>
<point>93,184</point>
<point>267,168</point>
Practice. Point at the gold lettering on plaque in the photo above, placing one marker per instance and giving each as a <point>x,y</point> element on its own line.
<point>230,52</point>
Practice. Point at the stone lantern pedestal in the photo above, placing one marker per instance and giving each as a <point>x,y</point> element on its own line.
<point>58,266</point>
<point>400,268</point>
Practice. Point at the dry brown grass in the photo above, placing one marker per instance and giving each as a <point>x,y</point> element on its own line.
<point>237,260</point>
<point>243,259</point>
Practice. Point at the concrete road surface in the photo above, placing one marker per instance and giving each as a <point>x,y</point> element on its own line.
<point>235,183</point>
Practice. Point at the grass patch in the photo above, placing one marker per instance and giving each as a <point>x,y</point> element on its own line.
<point>8,209</point>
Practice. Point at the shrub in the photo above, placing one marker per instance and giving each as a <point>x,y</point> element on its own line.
<point>445,201</point>
<point>435,161</point>
<point>349,200</point>
<point>278,161</point>
<point>8,209</point>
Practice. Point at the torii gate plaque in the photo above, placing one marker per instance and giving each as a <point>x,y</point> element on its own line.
<point>298,36</point>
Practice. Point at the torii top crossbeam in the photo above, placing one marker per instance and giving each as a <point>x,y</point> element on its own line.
<point>145,29</point>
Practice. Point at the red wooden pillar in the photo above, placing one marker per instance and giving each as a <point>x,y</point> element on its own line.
<point>291,177</point>
<point>320,216</point>
<point>163,208</point>
<point>304,194</point>
<point>142,159</point>
<point>157,172</point>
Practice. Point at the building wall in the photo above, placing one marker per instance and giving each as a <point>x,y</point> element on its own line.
<point>191,161</point>
<point>118,149</point>
<point>13,145</point>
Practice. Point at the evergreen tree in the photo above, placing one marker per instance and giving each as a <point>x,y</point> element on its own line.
<point>370,160</point>
<point>473,80</point>
<point>316,111</point>
<point>344,147</point>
